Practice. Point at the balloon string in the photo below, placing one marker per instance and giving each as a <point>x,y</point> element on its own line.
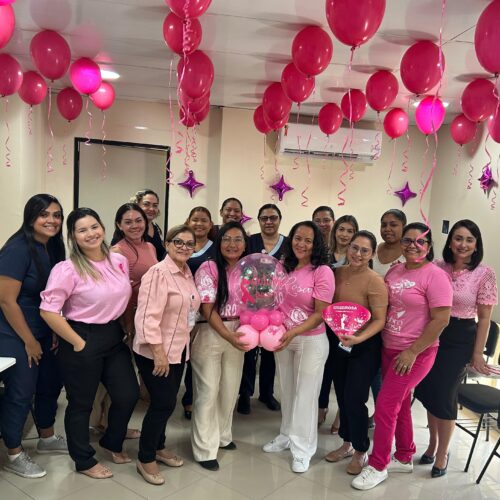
<point>30,120</point>
<point>470,174</point>
<point>263,160</point>
<point>65,156</point>
<point>389,185</point>
<point>168,167</point>
<point>178,145</point>
<point>424,160</point>
<point>429,179</point>
<point>296,163</point>
<point>8,162</point>
<point>89,113</point>
<point>187,155</point>
<point>351,171</point>
<point>459,157</point>
<point>194,154</point>
<point>104,168</point>
<point>494,197</point>
<point>305,202</point>
<point>376,148</point>
<point>341,199</point>
<point>441,68</point>
<point>351,57</point>
<point>406,152</point>
<point>277,172</point>
<point>50,157</point>
<point>486,149</point>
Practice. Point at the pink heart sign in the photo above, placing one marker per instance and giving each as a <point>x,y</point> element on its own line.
<point>345,318</point>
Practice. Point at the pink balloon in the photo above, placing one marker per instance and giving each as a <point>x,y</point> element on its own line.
<point>275,102</point>
<point>479,100</point>
<point>276,318</point>
<point>430,115</point>
<point>69,103</point>
<point>195,74</point>
<point>276,124</point>
<point>329,118</point>
<point>188,8</point>
<point>420,68</point>
<point>260,123</point>
<point>270,338</point>
<point>11,75</point>
<point>487,38</point>
<point>33,89</point>
<point>104,97</point>
<point>200,115</point>
<point>396,123</point>
<point>296,86</point>
<point>7,24</point>
<point>187,119</point>
<point>6,2</point>
<point>312,50</point>
<point>259,321</point>
<point>85,75</point>
<point>354,22</point>
<point>462,130</point>
<point>250,336</point>
<point>381,90</point>
<point>181,36</point>
<point>353,105</point>
<point>245,317</point>
<point>50,54</point>
<point>193,105</point>
<point>493,124</point>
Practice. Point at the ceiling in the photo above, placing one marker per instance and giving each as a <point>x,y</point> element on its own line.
<point>249,42</point>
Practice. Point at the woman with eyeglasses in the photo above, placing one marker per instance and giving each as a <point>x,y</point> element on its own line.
<point>463,340</point>
<point>356,359</point>
<point>269,241</point>
<point>420,298</point>
<point>166,313</point>
<point>307,291</point>
<point>324,218</point>
<point>217,352</point>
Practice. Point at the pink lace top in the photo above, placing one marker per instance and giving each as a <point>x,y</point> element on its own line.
<point>471,288</point>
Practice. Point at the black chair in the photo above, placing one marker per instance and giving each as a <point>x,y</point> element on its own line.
<point>491,341</point>
<point>493,453</point>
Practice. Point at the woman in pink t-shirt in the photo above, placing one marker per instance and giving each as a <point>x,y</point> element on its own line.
<point>420,298</point>
<point>307,291</point>
<point>84,299</point>
<point>463,340</point>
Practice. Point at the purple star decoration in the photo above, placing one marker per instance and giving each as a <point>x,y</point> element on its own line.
<point>191,184</point>
<point>486,180</point>
<point>405,194</point>
<point>281,187</point>
<point>245,218</point>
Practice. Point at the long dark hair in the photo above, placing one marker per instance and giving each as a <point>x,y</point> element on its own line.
<point>118,235</point>
<point>221,263</point>
<point>345,219</point>
<point>477,256</point>
<point>55,246</point>
<point>420,226</point>
<point>319,253</point>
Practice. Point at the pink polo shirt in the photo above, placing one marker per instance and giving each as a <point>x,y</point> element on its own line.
<point>300,289</point>
<point>87,300</point>
<point>166,297</point>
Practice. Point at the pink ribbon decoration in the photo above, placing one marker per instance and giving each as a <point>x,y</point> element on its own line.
<point>341,199</point>
<point>459,157</point>
<point>104,168</point>
<point>89,129</point>
<point>389,186</point>
<point>406,152</point>
<point>8,162</point>
<point>169,177</point>
<point>65,156</point>
<point>470,175</point>
<point>50,157</point>
<point>30,120</point>
<point>305,199</point>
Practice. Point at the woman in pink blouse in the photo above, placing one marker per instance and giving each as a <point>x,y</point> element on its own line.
<point>308,289</point>
<point>217,352</point>
<point>166,312</point>
<point>83,301</point>
<point>462,342</point>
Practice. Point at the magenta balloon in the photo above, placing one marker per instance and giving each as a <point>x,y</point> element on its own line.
<point>186,118</point>
<point>296,85</point>
<point>50,54</point>
<point>429,115</point>
<point>7,24</point>
<point>276,124</point>
<point>353,105</point>
<point>195,74</point>
<point>85,75</point>
<point>381,90</point>
<point>312,50</point>
<point>275,102</point>
<point>396,123</point>
<point>276,318</point>
<point>245,317</point>
<point>6,2</point>
<point>33,89</point>
<point>354,22</point>
<point>462,129</point>
<point>420,69</point>
<point>494,124</point>
<point>104,97</point>
<point>193,105</point>
<point>259,121</point>
<point>259,321</point>
<point>69,103</point>
<point>479,100</point>
<point>181,36</point>
<point>188,8</point>
<point>329,118</point>
<point>11,75</point>
<point>200,115</point>
<point>487,38</point>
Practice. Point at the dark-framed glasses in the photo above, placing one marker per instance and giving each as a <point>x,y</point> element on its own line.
<point>270,218</point>
<point>178,243</point>
<point>420,242</point>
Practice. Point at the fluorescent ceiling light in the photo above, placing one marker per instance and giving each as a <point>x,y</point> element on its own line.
<point>445,104</point>
<point>141,127</point>
<point>107,74</point>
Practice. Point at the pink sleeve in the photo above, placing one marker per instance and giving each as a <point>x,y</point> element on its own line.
<point>206,282</point>
<point>488,293</point>
<point>60,286</point>
<point>324,284</point>
<point>439,291</point>
<point>151,303</point>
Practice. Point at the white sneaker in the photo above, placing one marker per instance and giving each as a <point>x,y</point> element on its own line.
<point>300,464</point>
<point>369,478</point>
<point>56,445</point>
<point>396,466</point>
<point>25,467</point>
<point>277,444</point>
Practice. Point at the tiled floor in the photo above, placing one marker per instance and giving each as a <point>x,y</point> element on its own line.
<point>249,473</point>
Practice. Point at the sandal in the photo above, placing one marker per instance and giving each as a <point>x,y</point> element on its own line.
<point>99,471</point>
<point>172,460</point>
<point>118,458</point>
<point>334,429</point>
<point>340,454</point>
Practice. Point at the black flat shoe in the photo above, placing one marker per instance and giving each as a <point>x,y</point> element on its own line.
<point>437,472</point>
<point>229,446</point>
<point>426,460</point>
<point>212,465</point>
<point>243,405</point>
<point>272,403</point>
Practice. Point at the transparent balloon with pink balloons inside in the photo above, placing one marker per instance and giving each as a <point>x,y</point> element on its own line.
<point>257,282</point>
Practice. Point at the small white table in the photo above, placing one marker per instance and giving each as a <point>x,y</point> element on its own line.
<point>6,363</point>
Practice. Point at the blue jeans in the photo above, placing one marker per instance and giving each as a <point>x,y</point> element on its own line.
<point>43,381</point>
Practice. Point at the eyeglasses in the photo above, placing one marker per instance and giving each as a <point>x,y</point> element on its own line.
<point>363,250</point>
<point>323,221</point>
<point>270,218</point>
<point>178,243</point>
<point>406,242</point>
<point>237,241</point>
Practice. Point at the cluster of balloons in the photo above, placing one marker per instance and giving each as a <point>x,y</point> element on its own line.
<point>195,72</point>
<point>264,328</point>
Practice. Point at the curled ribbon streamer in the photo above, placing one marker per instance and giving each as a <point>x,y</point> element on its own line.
<point>389,186</point>
<point>65,156</point>
<point>459,157</point>
<point>276,171</point>
<point>50,157</point>
<point>104,168</point>
<point>169,177</point>
<point>194,149</point>
<point>470,174</point>
<point>296,163</point>
<point>351,171</point>
<point>178,145</point>
<point>89,113</point>
<point>341,199</point>
<point>30,120</point>
<point>377,147</point>
<point>406,152</point>
<point>494,196</point>
<point>305,199</point>
<point>187,156</point>
<point>263,160</point>
<point>424,160</point>
<point>8,162</point>
<point>428,181</point>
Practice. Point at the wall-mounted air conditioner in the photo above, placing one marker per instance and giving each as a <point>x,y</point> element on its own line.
<point>301,139</point>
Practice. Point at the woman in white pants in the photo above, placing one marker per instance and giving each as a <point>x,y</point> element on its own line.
<point>301,357</point>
